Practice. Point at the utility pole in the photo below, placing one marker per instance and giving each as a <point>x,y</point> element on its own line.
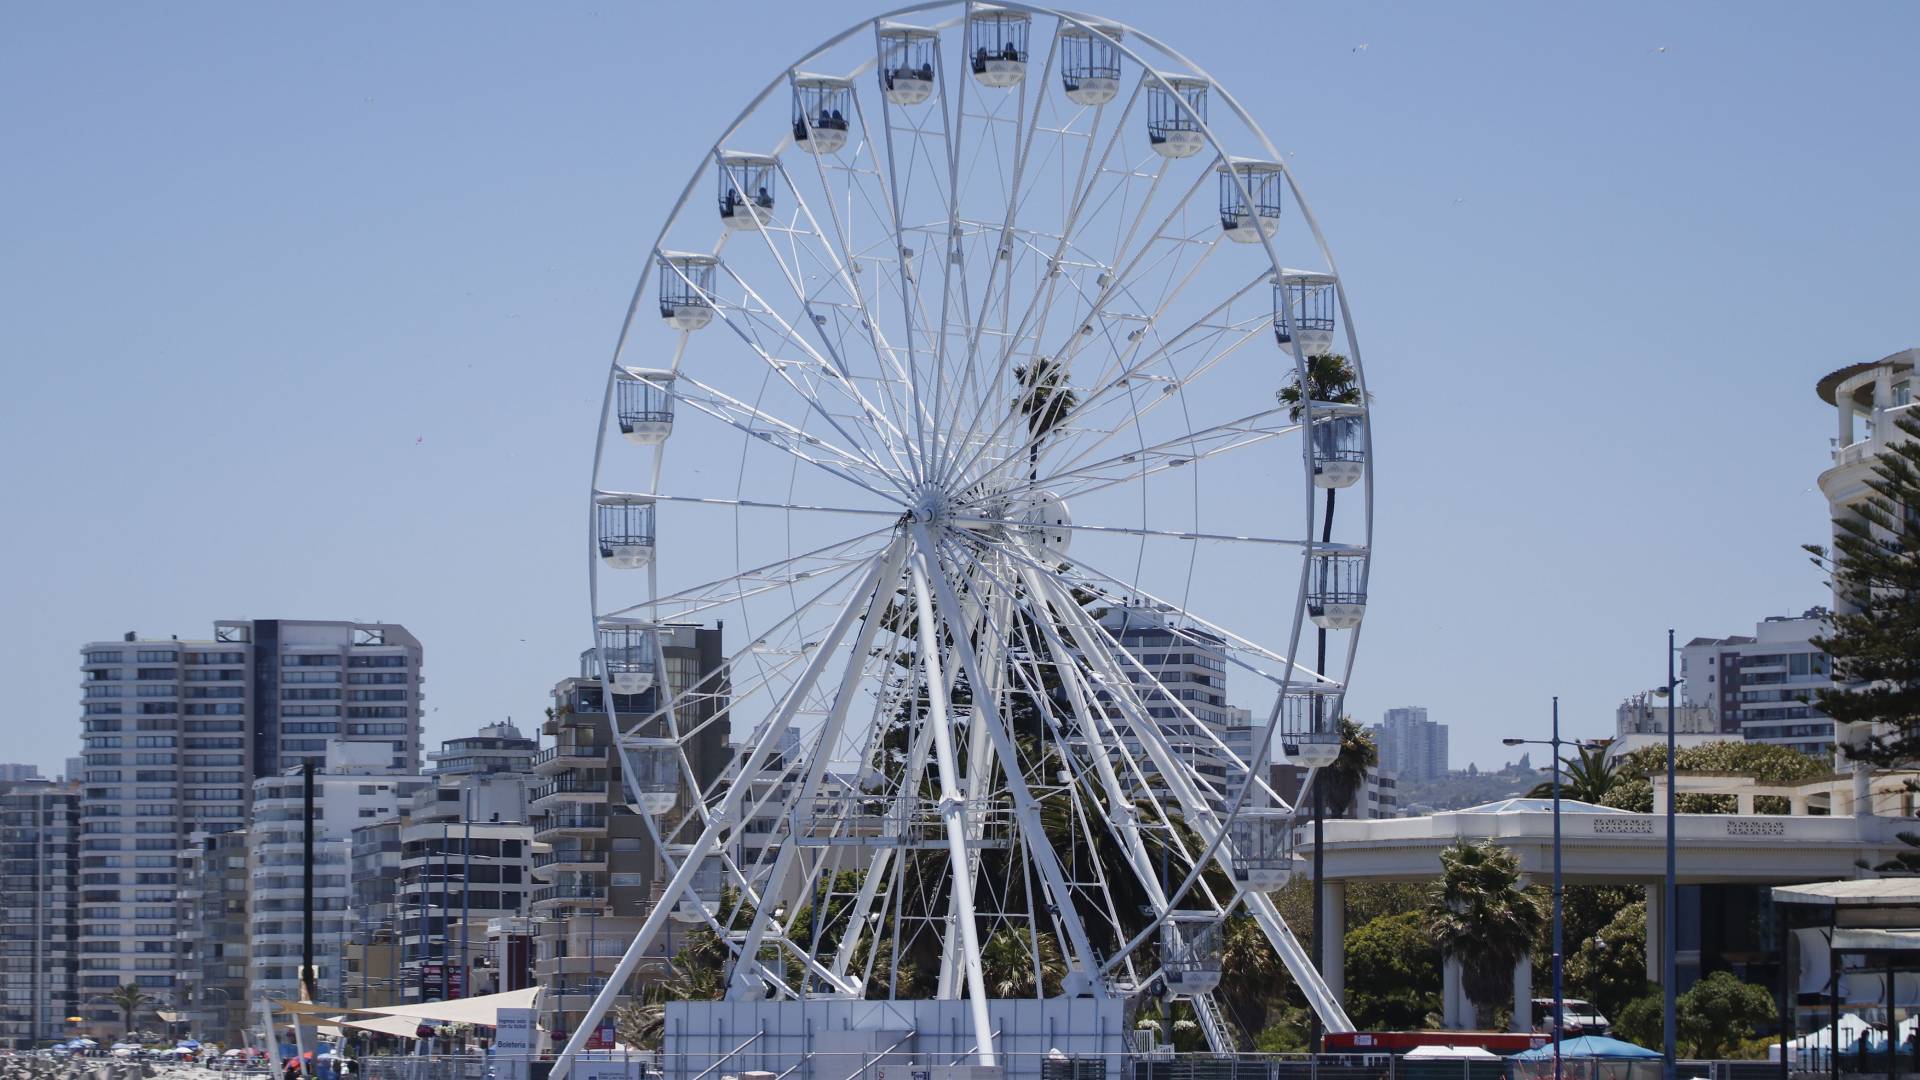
<point>308,976</point>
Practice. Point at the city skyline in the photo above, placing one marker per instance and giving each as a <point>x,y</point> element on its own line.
<point>484,348</point>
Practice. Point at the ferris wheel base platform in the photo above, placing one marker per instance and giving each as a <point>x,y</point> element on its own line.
<point>887,1040</point>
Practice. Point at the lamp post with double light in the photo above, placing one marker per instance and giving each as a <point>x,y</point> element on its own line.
<point>1559,892</point>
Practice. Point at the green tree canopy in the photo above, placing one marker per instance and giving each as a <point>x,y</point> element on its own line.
<point>1771,764</point>
<point>1720,1013</point>
<point>1609,968</point>
<point>1393,972</point>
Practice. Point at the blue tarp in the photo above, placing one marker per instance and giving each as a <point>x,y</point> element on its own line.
<point>1589,1046</point>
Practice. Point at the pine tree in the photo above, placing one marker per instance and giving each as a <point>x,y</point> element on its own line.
<point>1874,566</point>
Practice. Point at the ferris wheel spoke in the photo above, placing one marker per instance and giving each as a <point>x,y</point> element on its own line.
<point>839,250</point>
<point>1003,242</point>
<point>1042,300</point>
<point>848,465</point>
<point>1138,466</point>
<point>1096,582</point>
<point>830,371</point>
<point>1097,313</point>
<point>845,556</point>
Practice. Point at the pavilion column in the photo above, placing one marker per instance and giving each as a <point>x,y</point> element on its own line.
<point>1333,943</point>
<point>1522,995</point>
<point>1455,1010</point>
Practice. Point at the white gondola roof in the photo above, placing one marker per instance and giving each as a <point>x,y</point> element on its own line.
<point>814,79</point>
<point>1178,82</point>
<point>742,157</point>
<point>690,258</point>
<point>643,374</point>
<point>909,32</point>
<point>625,622</point>
<point>622,498</point>
<point>1247,164</point>
<point>1093,26</point>
<point>1307,277</point>
<point>997,14</point>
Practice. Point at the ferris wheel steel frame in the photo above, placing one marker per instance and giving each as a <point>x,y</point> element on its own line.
<point>920,456</point>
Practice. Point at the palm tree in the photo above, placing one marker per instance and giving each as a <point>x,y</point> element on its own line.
<point>129,999</point>
<point>1587,777</point>
<point>1007,964</point>
<point>1045,400</point>
<point>1344,777</point>
<point>1482,919</point>
<point>1249,973</point>
<point>1329,378</point>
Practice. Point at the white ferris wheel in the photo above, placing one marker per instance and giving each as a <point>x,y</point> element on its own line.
<point>963,410</point>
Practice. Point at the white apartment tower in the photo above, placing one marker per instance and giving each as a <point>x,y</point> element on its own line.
<point>1412,747</point>
<point>175,733</point>
<point>357,785</point>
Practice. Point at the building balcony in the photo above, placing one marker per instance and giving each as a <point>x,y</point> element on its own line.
<point>555,758</point>
<point>562,823</point>
<point>566,788</point>
<point>570,858</point>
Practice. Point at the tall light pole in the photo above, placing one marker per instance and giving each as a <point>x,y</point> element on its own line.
<point>1559,887</point>
<point>1669,967</point>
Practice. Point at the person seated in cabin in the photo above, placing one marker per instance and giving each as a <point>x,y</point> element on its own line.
<point>799,130</point>
<point>980,59</point>
<point>926,72</point>
<point>838,120</point>
<point>1008,52</point>
<point>763,200</point>
<point>728,201</point>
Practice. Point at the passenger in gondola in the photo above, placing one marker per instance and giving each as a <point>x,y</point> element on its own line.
<point>1008,52</point>
<point>980,59</point>
<point>839,121</point>
<point>763,200</point>
<point>800,130</point>
<point>728,202</point>
<point>926,72</point>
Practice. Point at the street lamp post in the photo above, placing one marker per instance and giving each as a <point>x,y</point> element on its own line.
<point>1669,917</point>
<point>1559,889</point>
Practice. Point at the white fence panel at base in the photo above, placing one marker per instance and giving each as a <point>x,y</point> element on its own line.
<point>884,1040</point>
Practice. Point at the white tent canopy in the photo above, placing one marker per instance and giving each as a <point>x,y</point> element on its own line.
<point>1450,1053</point>
<point>483,1010</point>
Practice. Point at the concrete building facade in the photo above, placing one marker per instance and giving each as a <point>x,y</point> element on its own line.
<point>600,872</point>
<point>1761,686</point>
<point>40,902</point>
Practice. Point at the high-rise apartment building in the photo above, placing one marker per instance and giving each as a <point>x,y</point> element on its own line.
<point>212,936</point>
<point>1412,747</point>
<point>174,735</point>
<point>40,902</point>
<point>601,871</point>
<point>1760,687</point>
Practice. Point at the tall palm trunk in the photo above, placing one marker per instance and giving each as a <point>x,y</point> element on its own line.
<point>1320,798</point>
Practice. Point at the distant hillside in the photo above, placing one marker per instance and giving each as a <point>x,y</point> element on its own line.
<point>1462,789</point>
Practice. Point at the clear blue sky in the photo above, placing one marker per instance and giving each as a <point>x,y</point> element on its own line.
<point>306,311</point>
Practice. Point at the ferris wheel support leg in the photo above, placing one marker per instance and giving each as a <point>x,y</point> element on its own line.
<point>817,765</point>
<point>881,581</point>
<point>1201,818</point>
<point>953,811</point>
<point>1117,798</point>
<point>1025,809</point>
